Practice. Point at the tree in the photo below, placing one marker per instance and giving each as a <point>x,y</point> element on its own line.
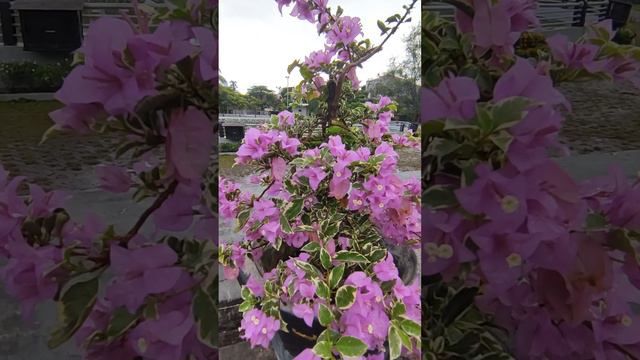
<point>262,97</point>
<point>402,79</point>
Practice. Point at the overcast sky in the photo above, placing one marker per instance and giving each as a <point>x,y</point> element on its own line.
<point>257,43</point>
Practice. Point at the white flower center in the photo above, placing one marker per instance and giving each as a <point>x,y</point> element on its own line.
<point>255,320</point>
<point>445,251</point>
<point>370,329</point>
<point>381,205</point>
<point>626,320</point>
<point>264,330</point>
<point>509,204</point>
<point>514,260</point>
<point>142,345</point>
<point>380,187</point>
<point>338,174</point>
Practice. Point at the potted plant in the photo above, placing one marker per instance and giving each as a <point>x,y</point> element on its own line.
<point>334,228</point>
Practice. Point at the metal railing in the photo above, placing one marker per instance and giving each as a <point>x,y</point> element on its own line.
<point>553,14</point>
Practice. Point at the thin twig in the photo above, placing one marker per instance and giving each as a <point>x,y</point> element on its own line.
<point>145,215</point>
<point>265,190</point>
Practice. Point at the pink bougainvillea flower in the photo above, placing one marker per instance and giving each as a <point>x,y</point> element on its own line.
<point>319,58</point>
<point>254,146</point>
<point>278,168</point>
<point>256,286</point>
<point>386,270</point>
<point>522,79</point>
<point>189,144</point>
<point>162,338</point>
<point>114,178</point>
<point>26,274</point>
<point>259,328</point>
<point>141,272</point>
<point>263,208</point>
<point>76,117</point>
<point>271,230</point>
<point>357,200</point>
<point>344,31</point>
<point>206,66</point>
<point>44,203</point>
<point>573,55</point>
<point>305,312</point>
<point>177,212</point>
<point>501,198</point>
<point>286,118</point>
<point>315,175</point>
<point>307,354</point>
<point>335,145</point>
<point>381,104</point>
<point>454,97</point>
<point>366,321</point>
<point>353,77</point>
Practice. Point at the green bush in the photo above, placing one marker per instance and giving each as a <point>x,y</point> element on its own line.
<point>229,146</point>
<point>26,76</point>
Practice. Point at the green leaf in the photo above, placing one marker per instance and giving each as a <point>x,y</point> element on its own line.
<point>325,316</point>
<point>383,28</point>
<point>439,196</point>
<point>411,327</point>
<point>292,66</point>
<point>323,290</point>
<point>323,349</point>
<point>243,217</point>
<point>306,73</point>
<point>377,255</point>
<point>336,275</point>
<point>595,222</point>
<point>308,268</point>
<point>246,306</point>
<point>284,225</point>
<point>502,140</point>
<point>404,338</point>
<point>460,302</point>
<point>345,297</point>
<point>311,247</point>
<point>351,346</point>
<point>441,147</point>
<point>205,312</point>
<point>74,307</point>
<point>398,310</point>
<point>395,344</point>
<point>325,258</point>
<point>351,256</point>
<point>294,209</point>
<point>303,228</point>
<point>121,321</point>
<point>509,111</point>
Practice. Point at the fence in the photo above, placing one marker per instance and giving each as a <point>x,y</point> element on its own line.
<point>92,10</point>
<point>553,14</point>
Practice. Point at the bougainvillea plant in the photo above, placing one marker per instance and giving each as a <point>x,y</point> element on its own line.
<point>149,292</point>
<point>520,260</point>
<point>320,230</point>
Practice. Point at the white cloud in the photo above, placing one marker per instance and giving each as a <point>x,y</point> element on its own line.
<point>257,43</point>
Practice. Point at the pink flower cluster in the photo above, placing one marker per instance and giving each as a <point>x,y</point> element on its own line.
<point>122,66</point>
<point>562,286</point>
<point>392,204</point>
<point>47,254</point>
